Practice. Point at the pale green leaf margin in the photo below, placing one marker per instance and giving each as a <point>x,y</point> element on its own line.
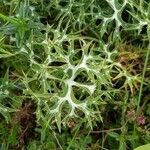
<point>143,147</point>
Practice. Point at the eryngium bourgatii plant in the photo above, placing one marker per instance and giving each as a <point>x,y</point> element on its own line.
<point>70,76</point>
<point>67,75</point>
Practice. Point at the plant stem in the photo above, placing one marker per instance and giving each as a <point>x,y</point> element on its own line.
<point>144,71</point>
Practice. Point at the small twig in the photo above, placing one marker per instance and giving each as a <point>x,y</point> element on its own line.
<point>57,140</point>
<point>102,131</point>
<point>142,107</point>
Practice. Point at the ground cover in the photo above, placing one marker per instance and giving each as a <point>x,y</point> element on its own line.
<point>74,74</point>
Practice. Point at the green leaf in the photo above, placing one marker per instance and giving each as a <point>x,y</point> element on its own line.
<point>12,138</point>
<point>58,122</point>
<point>113,134</point>
<point>143,147</point>
<point>11,20</point>
<point>5,54</point>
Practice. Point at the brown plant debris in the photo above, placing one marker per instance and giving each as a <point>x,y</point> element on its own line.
<point>26,119</point>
